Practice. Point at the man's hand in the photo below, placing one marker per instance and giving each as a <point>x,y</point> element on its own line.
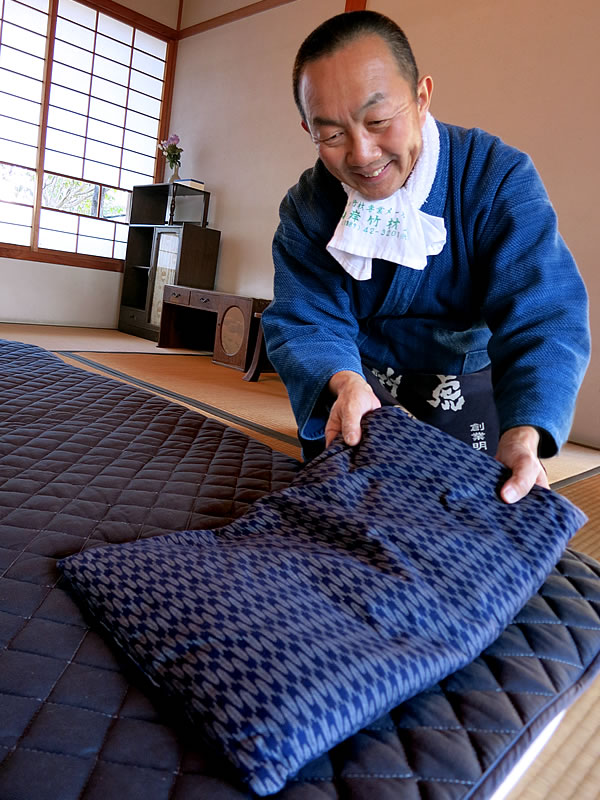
<point>517,449</point>
<point>355,398</point>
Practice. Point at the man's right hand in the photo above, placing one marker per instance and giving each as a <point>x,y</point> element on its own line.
<point>355,398</point>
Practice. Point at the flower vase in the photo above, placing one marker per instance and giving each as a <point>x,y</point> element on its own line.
<point>175,174</point>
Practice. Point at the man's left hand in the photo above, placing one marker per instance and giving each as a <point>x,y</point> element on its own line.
<point>517,450</point>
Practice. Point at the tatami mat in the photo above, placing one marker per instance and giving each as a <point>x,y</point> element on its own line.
<point>569,766</point>
<point>586,495</point>
<point>65,338</point>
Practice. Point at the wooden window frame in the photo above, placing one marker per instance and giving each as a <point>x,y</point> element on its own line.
<point>154,28</point>
<point>142,23</point>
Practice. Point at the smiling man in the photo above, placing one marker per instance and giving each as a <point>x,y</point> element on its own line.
<point>419,263</point>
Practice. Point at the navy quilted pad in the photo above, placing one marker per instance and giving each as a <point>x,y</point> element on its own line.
<point>372,577</point>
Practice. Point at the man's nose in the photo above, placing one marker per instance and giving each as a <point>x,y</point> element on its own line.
<point>363,149</point>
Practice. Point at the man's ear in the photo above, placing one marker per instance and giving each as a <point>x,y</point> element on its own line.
<point>305,126</point>
<point>424,92</point>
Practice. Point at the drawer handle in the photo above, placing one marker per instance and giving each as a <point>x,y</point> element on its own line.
<point>176,294</point>
<point>204,299</point>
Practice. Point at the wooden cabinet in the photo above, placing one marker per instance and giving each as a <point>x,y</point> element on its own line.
<point>223,323</point>
<point>168,244</point>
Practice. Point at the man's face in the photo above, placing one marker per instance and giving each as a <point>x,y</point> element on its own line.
<point>363,116</point>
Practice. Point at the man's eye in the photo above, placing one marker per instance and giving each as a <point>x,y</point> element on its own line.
<point>333,139</point>
<point>378,123</point>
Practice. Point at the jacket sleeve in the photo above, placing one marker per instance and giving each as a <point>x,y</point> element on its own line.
<point>535,306</point>
<point>310,329</point>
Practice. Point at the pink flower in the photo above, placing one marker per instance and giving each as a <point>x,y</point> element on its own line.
<point>171,150</point>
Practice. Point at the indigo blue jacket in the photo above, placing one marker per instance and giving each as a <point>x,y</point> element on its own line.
<point>505,289</point>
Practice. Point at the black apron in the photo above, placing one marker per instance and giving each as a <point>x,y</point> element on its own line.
<point>461,405</point>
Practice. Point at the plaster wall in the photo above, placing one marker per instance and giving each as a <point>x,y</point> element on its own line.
<point>54,294</point>
<point>241,134</point>
<point>195,11</point>
<point>164,11</point>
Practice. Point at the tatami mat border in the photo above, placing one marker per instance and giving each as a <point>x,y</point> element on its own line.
<point>581,476</point>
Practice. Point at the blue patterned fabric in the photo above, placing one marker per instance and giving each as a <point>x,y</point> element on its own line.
<point>382,569</point>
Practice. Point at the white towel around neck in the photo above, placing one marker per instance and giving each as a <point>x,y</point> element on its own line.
<point>393,229</point>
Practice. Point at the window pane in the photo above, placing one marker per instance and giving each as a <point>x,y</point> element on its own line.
<point>101,173</point>
<point>60,162</point>
<point>16,184</point>
<point>118,73</point>
<point>103,132</point>
<point>148,64</point>
<point>18,215</point>
<point>41,5</point>
<point>66,121</point>
<point>145,84</point>
<point>106,111</point>
<point>52,240</point>
<point>143,104</point>
<point>72,78</point>
<point>95,247</point>
<point>122,230</point>
<point>22,63</point>
<point>156,47</point>
<point>131,179</point>
<point>100,228</point>
<point>69,32</point>
<point>113,206</point>
<point>142,124</point>
<point>29,41</point>
<point>120,250</point>
<point>97,151</point>
<point>27,18</point>
<point>57,221</point>
<point>114,50</point>
<point>138,163</point>
<point>77,12</point>
<point>69,194</point>
<point>20,109</point>
<point>19,85</point>
<point>20,131</point>
<point>106,90</point>
<point>140,144</point>
<point>65,98</point>
<point>115,29</point>
<point>14,234</point>
<point>22,154</point>
<point>74,56</point>
<point>65,142</point>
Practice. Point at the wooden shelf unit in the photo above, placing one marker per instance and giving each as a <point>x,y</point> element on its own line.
<point>168,243</point>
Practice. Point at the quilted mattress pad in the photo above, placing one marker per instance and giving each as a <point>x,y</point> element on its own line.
<point>85,462</point>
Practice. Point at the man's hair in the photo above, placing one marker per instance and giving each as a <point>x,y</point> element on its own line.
<point>335,33</point>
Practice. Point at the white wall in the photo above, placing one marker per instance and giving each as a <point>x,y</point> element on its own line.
<point>53,294</point>
<point>165,11</point>
<point>195,11</point>
<point>234,111</point>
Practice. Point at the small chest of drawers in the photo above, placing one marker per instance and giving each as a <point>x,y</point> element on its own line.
<point>226,324</point>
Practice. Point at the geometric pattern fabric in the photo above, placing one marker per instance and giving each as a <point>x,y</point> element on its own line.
<point>369,579</point>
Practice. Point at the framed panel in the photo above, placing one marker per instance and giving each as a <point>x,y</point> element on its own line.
<point>167,243</point>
